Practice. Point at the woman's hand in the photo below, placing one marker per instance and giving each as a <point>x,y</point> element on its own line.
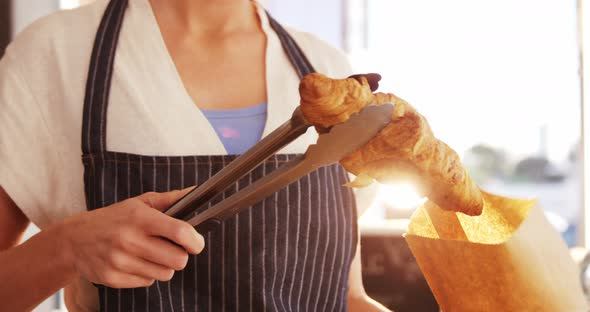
<point>121,245</point>
<point>365,304</point>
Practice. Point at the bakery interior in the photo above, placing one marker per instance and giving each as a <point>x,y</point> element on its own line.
<point>501,82</point>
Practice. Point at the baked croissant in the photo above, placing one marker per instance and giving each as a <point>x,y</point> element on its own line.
<point>405,149</point>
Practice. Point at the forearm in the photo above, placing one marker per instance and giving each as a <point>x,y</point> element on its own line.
<point>358,300</point>
<point>33,271</point>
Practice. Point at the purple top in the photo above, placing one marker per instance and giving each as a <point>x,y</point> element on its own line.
<point>238,129</point>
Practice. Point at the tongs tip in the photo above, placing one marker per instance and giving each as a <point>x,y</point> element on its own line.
<point>372,78</point>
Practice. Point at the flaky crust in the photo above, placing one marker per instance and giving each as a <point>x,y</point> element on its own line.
<point>326,102</point>
<point>405,149</point>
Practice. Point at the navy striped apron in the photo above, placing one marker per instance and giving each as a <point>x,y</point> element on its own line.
<point>291,252</point>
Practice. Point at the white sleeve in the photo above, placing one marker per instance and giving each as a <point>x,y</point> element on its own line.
<point>29,160</point>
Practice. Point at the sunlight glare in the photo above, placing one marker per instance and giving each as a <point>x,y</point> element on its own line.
<point>400,196</point>
<point>69,4</point>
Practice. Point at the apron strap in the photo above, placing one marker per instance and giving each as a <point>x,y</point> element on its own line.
<point>98,84</point>
<point>294,52</point>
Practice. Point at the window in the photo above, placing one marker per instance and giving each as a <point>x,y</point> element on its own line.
<point>497,80</point>
<point>71,4</point>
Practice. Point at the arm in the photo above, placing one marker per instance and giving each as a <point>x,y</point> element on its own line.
<point>25,264</point>
<point>13,222</point>
<point>358,300</point>
<point>115,246</point>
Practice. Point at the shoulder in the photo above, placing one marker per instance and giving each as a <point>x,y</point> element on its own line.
<point>325,58</point>
<point>42,79</point>
<point>50,57</point>
<point>61,26</point>
<point>55,38</point>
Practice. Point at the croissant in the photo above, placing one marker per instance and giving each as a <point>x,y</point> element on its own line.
<point>326,102</point>
<point>405,149</point>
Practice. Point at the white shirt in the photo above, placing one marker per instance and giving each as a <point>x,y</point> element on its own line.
<point>42,84</point>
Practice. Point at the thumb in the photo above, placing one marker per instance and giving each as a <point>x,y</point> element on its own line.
<point>162,201</point>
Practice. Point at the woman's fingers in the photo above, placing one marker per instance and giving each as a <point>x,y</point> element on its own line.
<point>130,244</point>
<point>116,279</point>
<point>158,251</point>
<point>130,264</point>
<point>181,233</point>
<point>162,201</point>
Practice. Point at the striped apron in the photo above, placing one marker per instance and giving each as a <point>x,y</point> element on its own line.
<point>290,252</point>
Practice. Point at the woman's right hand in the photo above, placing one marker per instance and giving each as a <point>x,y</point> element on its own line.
<point>121,245</point>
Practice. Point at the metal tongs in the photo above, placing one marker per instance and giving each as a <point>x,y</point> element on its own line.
<point>332,145</point>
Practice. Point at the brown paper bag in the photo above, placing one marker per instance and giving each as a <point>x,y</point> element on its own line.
<point>507,259</point>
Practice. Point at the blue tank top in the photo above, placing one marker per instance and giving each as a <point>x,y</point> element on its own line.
<point>238,129</point>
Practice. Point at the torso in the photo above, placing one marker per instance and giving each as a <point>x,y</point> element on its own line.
<point>266,258</point>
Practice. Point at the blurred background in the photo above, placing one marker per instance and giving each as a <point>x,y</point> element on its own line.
<point>500,81</point>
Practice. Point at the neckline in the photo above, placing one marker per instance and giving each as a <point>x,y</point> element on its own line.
<point>255,110</point>
<point>172,71</point>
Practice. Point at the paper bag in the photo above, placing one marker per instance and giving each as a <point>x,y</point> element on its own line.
<point>508,259</point>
